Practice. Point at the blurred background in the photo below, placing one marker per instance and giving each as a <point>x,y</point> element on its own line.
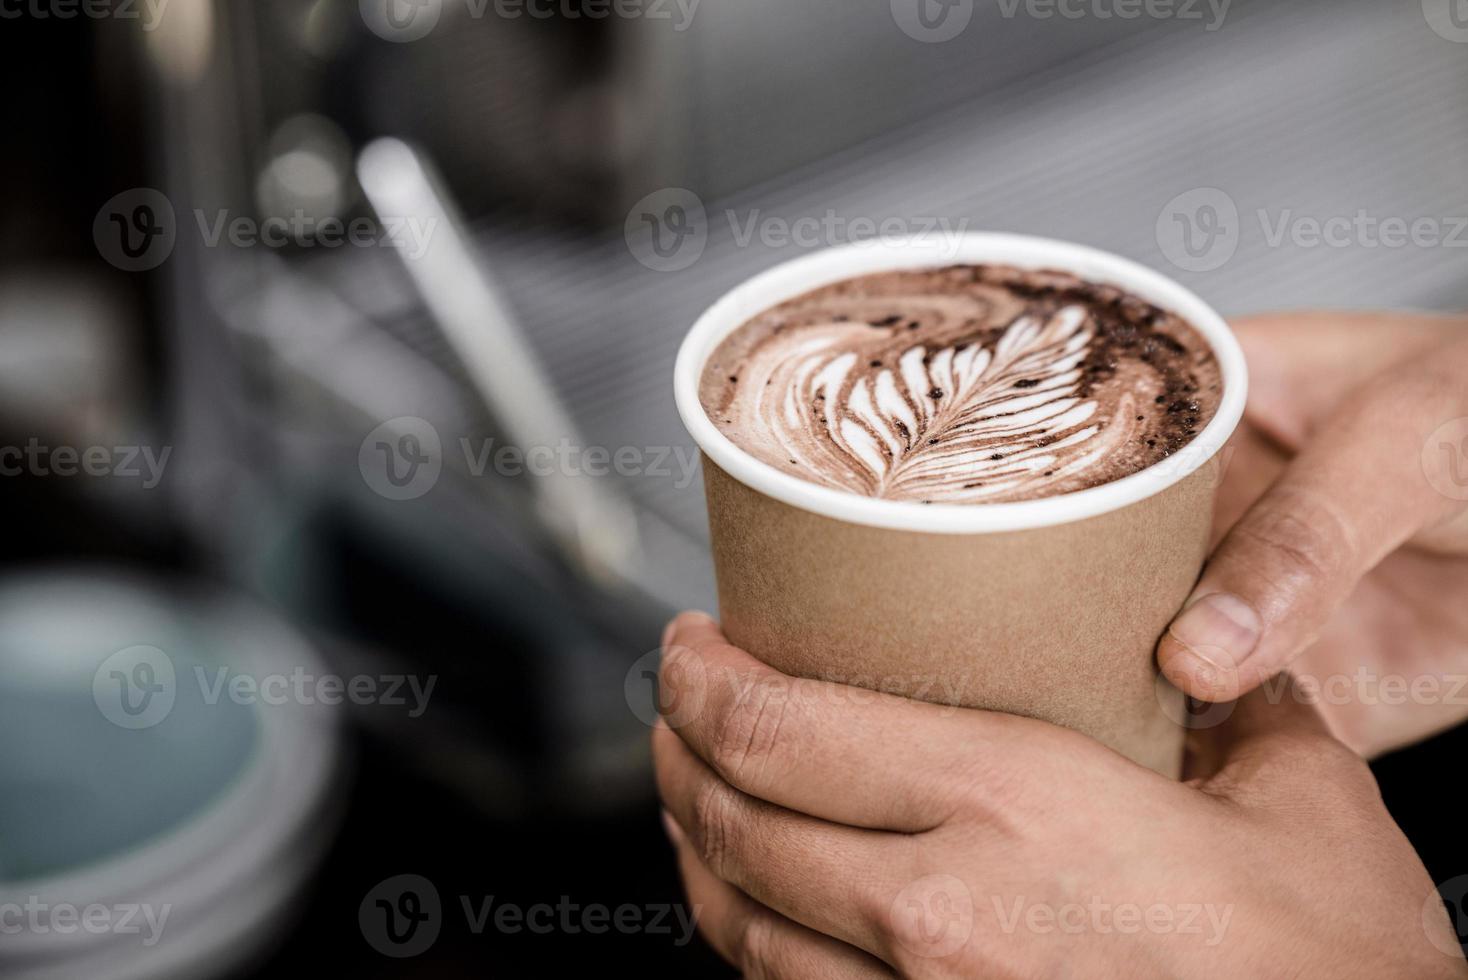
<point>345,498</point>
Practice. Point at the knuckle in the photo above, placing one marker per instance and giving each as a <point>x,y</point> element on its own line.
<point>993,780</point>
<point>1307,538</point>
<point>716,825</point>
<point>985,790</point>
<point>749,730</point>
<point>931,929</point>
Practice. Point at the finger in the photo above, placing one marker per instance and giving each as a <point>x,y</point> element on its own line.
<point>1353,495</point>
<point>759,942</point>
<point>1302,366</point>
<point>844,754</point>
<point>825,876</point>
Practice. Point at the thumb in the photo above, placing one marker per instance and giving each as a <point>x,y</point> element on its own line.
<point>1356,493</point>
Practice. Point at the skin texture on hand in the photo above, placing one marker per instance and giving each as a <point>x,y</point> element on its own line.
<point>826,831</point>
<point>1343,528</point>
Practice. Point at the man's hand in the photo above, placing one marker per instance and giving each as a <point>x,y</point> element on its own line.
<point>827,831</point>
<point>1345,507</point>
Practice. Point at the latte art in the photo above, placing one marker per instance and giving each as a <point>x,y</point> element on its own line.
<point>965,385</point>
<point>955,425</point>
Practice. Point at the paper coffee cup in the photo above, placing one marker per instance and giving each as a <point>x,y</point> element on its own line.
<point>1049,608</point>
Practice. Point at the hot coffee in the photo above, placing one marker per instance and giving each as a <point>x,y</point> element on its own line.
<point>969,384</point>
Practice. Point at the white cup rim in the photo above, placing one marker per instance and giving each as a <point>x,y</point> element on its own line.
<point>799,276</point>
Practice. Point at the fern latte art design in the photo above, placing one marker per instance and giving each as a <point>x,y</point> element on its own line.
<point>964,385</point>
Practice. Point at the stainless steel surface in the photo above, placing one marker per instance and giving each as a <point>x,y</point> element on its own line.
<point>586,517</point>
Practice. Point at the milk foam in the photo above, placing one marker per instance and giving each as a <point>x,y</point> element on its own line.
<point>961,386</point>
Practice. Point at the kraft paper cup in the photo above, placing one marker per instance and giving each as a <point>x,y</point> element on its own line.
<point>1049,608</point>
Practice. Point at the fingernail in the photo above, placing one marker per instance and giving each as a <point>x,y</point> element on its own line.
<point>672,627</point>
<point>1220,629</point>
<point>675,832</point>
